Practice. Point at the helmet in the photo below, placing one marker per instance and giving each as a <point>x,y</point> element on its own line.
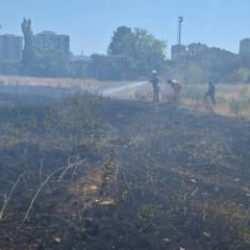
<point>154,72</point>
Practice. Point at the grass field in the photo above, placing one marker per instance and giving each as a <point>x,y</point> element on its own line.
<point>91,173</point>
<point>86,172</point>
<point>232,100</point>
<point>90,85</point>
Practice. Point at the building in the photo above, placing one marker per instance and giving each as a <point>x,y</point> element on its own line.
<point>244,52</point>
<point>178,52</point>
<point>11,48</point>
<point>245,47</point>
<point>79,64</point>
<point>182,52</point>
<point>48,40</point>
<point>197,49</point>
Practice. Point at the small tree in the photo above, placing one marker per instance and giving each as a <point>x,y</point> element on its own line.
<point>122,42</point>
<point>143,51</point>
<point>28,56</point>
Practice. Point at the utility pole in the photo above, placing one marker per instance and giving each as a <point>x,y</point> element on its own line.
<point>179,35</point>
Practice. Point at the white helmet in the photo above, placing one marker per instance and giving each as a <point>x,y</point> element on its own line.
<point>154,72</point>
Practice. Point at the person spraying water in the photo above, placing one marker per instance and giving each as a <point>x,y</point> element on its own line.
<point>176,87</point>
<point>155,81</point>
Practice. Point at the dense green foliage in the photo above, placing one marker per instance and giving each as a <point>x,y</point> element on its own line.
<point>142,49</point>
<point>131,54</point>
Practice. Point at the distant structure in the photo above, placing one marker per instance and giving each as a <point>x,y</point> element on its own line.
<point>80,58</point>
<point>79,64</point>
<point>179,36</point>
<point>48,40</point>
<point>178,51</point>
<point>245,48</point>
<point>11,47</point>
<point>244,52</point>
<point>195,50</point>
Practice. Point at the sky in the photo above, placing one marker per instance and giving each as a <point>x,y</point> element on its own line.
<point>91,23</point>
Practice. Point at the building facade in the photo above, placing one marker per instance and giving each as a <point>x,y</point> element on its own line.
<point>193,50</point>
<point>178,52</point>
<point>245,47</point>
<point>48,40</point>
<point>11,48</point>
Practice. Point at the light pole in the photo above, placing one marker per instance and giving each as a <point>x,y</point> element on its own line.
<point>180,21</point>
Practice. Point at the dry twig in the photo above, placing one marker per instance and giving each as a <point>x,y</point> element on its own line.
<point>9,196</point>
<point>44,183</point>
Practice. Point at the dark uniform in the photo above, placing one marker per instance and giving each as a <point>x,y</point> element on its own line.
<point>211,93</point>
<point>156,88</point>
<point>176,87</point>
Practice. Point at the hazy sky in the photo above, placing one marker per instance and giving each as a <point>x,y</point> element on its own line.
<point>90,23</point>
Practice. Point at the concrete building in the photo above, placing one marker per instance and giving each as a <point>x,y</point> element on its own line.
<point>79,65</point>
<point>178,52</point>
<point>52,41</point>
<point>11,47</point>
<point>196,49</point>
<point>245,47</point>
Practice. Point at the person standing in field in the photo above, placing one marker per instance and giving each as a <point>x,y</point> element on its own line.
<point>176,87</point>
<point>210,94</point>
<point>155,81</point>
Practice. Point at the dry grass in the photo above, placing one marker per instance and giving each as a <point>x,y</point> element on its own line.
<point>90,85</point>
<point>232,100</point>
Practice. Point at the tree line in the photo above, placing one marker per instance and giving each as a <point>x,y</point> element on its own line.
<point>132,54</point>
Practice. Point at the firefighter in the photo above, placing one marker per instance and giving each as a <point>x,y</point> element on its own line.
<point>210,94</point>
<point>155,81</point>
<point>176,86</point>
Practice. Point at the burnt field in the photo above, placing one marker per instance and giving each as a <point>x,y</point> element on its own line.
<point>92,173</point>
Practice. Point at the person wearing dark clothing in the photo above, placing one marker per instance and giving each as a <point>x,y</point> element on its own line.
<point>210,95</point>
<point>176,87</point>
<point>156,88</point>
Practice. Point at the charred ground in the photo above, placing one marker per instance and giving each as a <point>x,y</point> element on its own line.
<point>122,175</point>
